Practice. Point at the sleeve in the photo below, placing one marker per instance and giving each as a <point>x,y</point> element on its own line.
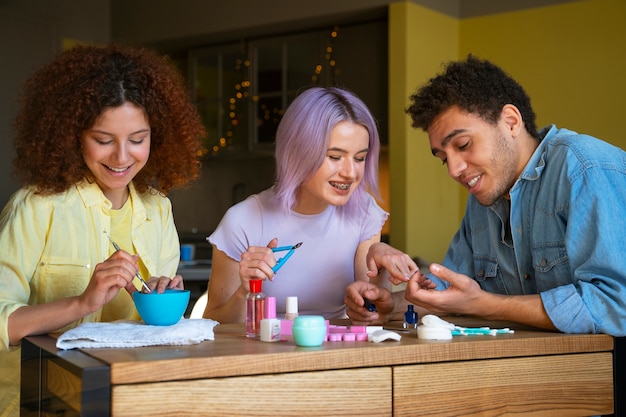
<point>240,226</point>
<point>374,221</point>
<point>594,302</point>
<point>23,227</point>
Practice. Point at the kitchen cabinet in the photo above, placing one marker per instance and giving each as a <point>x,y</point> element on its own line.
<point>242,89</point>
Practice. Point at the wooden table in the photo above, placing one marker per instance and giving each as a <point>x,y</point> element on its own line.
<point>530,372</point>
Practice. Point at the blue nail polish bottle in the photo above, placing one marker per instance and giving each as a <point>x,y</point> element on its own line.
<point>410,318</point>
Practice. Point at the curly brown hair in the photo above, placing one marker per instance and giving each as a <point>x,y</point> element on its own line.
<point>475,86</point>
<point>64,98</point>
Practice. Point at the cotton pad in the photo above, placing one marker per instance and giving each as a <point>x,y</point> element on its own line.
<point>382,335</point>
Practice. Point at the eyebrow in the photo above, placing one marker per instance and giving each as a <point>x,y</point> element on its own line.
<point>345,151</point>
<point>104,132</point>
<point>447,139</point>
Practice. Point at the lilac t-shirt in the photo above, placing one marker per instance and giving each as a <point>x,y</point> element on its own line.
<point>319,270</point>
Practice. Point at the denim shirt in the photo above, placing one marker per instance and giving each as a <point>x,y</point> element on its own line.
<point>567,235</point>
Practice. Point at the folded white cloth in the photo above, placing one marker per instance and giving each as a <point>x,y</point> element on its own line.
<point>124,333</point>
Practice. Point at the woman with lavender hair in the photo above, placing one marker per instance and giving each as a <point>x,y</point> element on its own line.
<point>327,148</point>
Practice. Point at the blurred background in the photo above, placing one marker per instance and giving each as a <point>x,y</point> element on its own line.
<point>245,60</point>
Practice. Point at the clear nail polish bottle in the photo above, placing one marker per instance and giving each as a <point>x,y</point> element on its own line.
<point>255,306</point>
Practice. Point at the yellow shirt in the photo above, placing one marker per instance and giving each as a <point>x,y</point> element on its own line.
<point>50,246</point>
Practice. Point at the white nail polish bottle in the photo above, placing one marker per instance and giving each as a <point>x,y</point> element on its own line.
<point>270,325</point>
<point>291,308</point>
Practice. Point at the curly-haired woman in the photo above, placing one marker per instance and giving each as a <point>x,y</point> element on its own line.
<point>103,134</point>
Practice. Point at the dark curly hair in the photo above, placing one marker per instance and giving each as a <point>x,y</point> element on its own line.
<point>64,98</point>
<point>475,86</point>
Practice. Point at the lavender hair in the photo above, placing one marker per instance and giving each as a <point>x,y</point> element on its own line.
<point>302,141</point>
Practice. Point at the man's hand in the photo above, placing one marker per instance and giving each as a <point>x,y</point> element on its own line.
<point>462,296</point>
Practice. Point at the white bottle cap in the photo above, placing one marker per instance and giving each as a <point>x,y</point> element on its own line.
<point>292,305</point>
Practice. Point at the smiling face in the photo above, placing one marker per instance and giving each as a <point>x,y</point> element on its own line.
<point>340,173</point>
<point>483,157</point>
<point>116,148</point>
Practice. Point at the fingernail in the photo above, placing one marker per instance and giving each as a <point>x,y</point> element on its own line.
<point>436,268</point>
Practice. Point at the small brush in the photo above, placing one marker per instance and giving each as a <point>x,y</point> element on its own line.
<point>143,282</point>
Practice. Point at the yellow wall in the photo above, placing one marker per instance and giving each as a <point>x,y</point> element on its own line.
<point>570,58</point>
<point>424,201</point>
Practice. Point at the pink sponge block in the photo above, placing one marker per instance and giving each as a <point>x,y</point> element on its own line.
<point>285,327</point>
<point>347,333</point>
<point>335,333</point>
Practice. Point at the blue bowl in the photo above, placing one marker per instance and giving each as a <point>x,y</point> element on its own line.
<point>162,309</point>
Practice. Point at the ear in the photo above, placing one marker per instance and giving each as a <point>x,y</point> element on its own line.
<point>512,119</point>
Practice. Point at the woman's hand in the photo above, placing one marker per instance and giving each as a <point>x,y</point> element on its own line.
<point>398,264</point>
<point>109,276</point>
<point>257,263</point>
<point>160,284</point>
<point>355,300</point>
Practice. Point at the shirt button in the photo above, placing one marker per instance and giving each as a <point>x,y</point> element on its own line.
<point>543,262</point>
<point>526,276</point>
<point>481,273</point>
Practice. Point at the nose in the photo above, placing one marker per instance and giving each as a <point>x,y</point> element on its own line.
<point>456,166</point>
<point>120,154</point>
<point>348,168</point>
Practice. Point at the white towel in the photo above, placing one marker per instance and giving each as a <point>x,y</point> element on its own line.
<point>124,333</point>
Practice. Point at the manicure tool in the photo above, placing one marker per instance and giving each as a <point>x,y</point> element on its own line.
<point>281,261</point>
<point>469,331</point>
<point>434,321</point>
<point>143,282</point>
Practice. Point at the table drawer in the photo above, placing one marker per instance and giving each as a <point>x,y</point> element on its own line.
<point>350,392</point>
<point>542,385</point>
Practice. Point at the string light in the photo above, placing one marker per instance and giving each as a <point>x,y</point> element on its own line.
<point>316,79</point>
<point>241,92</point>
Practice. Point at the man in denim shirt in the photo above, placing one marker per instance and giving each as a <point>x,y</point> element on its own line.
<point>544,229</point>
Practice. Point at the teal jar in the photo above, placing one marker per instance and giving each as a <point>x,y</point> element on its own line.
<point>309,331</point>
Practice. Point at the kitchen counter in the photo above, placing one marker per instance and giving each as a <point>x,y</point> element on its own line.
<point>199,270</point>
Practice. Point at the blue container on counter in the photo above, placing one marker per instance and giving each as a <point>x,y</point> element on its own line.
<point>309,331</point>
